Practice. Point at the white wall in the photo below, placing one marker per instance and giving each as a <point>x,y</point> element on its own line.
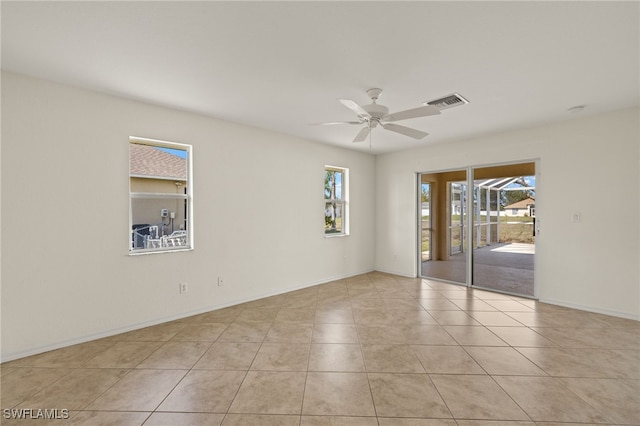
<point>258,210</point>
<point>588,165</point>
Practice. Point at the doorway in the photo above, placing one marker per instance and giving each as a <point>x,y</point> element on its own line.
<point>497,203</point>
<point>443,225</point>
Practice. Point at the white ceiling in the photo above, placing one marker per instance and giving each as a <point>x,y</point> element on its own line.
<point>283,65</point>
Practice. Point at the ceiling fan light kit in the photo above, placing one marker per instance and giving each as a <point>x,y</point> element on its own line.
<point>374,114</point>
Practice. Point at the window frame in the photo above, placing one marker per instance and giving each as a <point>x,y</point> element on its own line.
<point>343,201</point>
<point>187,197</point>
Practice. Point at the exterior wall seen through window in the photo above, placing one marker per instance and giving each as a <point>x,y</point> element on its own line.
<point>159,196</point>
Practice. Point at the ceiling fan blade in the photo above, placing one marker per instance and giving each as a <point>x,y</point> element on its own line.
<point>331,123</point>
<point>416,134</point>
<point>355,107</point>
<point>423,111</point>
<point>362,135</point>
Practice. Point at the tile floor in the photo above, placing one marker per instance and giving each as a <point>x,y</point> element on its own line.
<point>375,349</point>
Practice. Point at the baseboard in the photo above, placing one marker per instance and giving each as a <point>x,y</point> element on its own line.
<point>593,309</point>
<point>161,320</point>
<point>398,273</point>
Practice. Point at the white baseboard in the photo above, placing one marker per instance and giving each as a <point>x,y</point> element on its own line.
<point>593,309</point>
<point>398,273</point>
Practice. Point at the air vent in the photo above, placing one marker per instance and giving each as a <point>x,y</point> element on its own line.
<point>449,101</point>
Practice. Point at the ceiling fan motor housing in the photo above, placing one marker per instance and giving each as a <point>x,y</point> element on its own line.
<point>376,111</point>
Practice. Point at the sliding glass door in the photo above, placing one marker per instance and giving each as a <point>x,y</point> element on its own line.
<point>477,227</point>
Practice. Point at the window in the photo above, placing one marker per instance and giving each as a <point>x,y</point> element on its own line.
<point>160,197</point>
<point>335,201</point>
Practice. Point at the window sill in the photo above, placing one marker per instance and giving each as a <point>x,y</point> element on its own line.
<point>336,235</point>
<point>146,252</point>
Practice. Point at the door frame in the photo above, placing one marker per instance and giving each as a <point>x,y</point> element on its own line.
<point>470,220</point>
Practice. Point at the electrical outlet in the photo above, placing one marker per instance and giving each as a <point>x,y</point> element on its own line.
<point>220,282</point>
<point>183,288</point>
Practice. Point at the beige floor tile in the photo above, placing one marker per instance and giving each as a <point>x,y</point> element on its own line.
<point>270,392</point>
<point>228,356</point>
<point>282,357</point>
<point>209,391</point>
<point>423,293</point>
<point>75,390</point>
<point>427,335</point>
<point>70,357</point>
<point>494,319</point>
<point>408,304</point>
<point>474,336</point>
<point>491,296</point>
<point>604,338</point>
<point>261,420</point>
<point>618,400</point>
<point>257,315</point>
<point>391,359</point>
<point>361,293</point>
<point>37,418</point>
<point>335,333</point>
<point>395,421</point>
<point>473,305</point>
<point>108,418</point>
<point>593,363</point>
<point>406,395</point>
<point>446,360</point>
<point>325,315</point>
<point>139,390</point>
<point>24,382</point>
<point>521,336</point>
<point>333,303</point>
<point>296,316</point>
<point>224,315</point>
<point>510,306</point>
<point>502,360</point>
<point>477,397</point>
<point>300,302</point>
<point>496,423</point>
<point>245,332</point>
<point>208,332</point>
<point>308,292</point>
<point>456,292</point>
<point>453,318</point>
<point>184,419</point>
<point>547,319</point>
<point>360,302</point>
<point>123,355</point>
<point>438,305</point>
<point>546,399</point>
<point>176,355</point>
<point>372,316</point>
<point>267,302</point>
<point>413,317</point>
<point>381,334</point>
<point>338,421</point>
<point>289,333</point>
<point>495,360</point>
<point>342,394</point>
<point>336,357</point>
<point>156,333</point>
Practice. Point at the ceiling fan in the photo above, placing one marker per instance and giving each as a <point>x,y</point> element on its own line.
<point>373,114</point>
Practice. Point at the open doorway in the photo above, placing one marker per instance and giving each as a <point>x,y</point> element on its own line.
<point>497,203</point>
<point>443,225</point>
